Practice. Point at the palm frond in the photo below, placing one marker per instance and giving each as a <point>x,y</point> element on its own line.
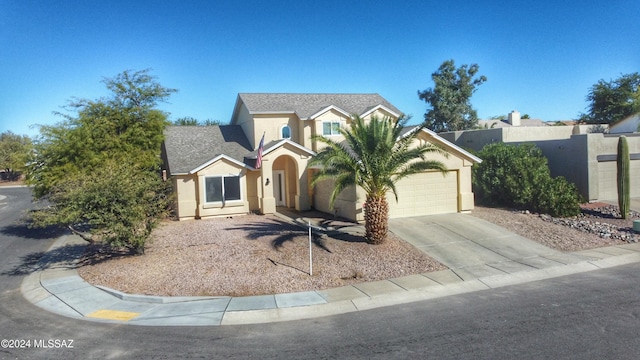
<point>374,155</point>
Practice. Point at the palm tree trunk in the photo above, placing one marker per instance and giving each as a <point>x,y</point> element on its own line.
<point>376,219</point>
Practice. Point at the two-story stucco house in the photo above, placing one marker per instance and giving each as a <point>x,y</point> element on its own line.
<point>214,172</point>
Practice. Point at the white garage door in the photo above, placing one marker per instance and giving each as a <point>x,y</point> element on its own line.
<point>425,194</point>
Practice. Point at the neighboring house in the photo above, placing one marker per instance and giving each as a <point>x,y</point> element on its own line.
<point>580,153</point>
<point>214,172</point>
<point>627,125</point>
<point>513,119</point>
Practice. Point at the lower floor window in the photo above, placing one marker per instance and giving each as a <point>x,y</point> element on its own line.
<point>222,188</point>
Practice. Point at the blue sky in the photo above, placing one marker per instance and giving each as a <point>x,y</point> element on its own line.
<point>540,57</point>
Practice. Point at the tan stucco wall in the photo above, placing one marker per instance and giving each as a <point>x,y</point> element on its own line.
<point>288,159</point>
<point>190,190</point>
<point>345,204</point>
<point>331,115</point>
<point>456,162</point>
<point>253,180</point>
<point>345,122</point>
<point>186,186</point>
<point>349,202</point>
<point>477,139</point>
<point>602,150</point>
<point>583,158</point>
<point>245,120</point>
<point>257,195</point>
<point>271,126</point>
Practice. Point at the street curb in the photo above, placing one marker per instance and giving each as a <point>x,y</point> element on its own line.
<point>39,288</point>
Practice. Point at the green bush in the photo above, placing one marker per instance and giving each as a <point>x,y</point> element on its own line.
<point>119,204</point>
<point>509,174</point>
<point>518,176</point>
<point>557,197</point>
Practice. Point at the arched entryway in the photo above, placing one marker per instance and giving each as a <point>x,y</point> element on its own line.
<point>286,185</point>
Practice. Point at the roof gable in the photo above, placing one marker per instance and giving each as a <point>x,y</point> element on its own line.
<point>451,147</point>
<point>190,147</point>
<point>308,105</point>
<point>626,125</point>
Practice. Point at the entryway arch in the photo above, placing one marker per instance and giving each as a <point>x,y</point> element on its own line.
<point>286,184</point>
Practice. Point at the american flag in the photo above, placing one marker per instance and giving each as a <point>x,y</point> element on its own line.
<point>259,159</point>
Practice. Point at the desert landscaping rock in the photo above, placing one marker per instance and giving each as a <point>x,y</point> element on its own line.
<point>256,255</point>
<point>251,255</point>
<point>598,225</point>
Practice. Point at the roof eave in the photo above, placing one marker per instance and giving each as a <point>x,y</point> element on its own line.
<point>217,158</point>
<point>380,106</point>
<point>462,151</point>
<point>326,109</point>
<point>292,143</point>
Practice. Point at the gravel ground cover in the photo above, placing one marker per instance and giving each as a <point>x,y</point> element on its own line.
<point>598,225</point>
<point>255,255</point>
<point>249,255</point>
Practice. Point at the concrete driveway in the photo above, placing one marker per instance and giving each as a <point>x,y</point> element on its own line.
<point>475,248</point>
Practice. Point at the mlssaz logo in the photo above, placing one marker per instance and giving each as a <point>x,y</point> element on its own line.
<point>53,344</point>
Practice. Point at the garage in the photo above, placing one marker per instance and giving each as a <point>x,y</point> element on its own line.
<point>425,194</point>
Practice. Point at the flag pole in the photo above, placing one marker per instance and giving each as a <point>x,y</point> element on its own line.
<point>310,253</point>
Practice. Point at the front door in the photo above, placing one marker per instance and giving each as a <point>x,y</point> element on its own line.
<point>279,191</point>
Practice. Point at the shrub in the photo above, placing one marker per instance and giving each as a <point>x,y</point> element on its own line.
<point>119,204</point>
<point>557,197</point>
<point>509,174</point>
<point>518,176</point>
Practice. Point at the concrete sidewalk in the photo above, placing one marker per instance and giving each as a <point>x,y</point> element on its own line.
<point>480,255</point>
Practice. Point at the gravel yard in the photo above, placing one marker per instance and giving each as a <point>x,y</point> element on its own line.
<point>599,225</point>
<point>251,255</point>
<point>254,254</point>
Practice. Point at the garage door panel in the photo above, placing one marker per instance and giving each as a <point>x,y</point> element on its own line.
<point>425,194</point>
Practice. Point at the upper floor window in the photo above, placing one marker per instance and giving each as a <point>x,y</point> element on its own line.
<point>330,128</point>
<point>285,132</point>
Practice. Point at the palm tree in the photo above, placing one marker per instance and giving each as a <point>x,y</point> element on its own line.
<point>375,156</point>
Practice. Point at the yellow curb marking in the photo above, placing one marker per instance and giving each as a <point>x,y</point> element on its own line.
<point>113,315</point>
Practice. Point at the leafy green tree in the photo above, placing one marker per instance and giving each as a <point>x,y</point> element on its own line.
<point>210,122</point>
<point>518,176</point>
<point>14,154</point>
<point>612,101</point>
<point>122,132</point>
<point>374,156</point>
<point>119,202</point>
<point>186,121</point>
<point>190,121</point>
<point>449,99</point>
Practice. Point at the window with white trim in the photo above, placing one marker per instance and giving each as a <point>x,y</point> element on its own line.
<point>221,189</point>
<point>330,128</point>
<point>285,132</point>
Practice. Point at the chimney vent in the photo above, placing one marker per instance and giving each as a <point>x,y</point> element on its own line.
<point>514,118</point>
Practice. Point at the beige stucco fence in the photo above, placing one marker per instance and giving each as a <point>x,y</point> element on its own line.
<point>588,160</point>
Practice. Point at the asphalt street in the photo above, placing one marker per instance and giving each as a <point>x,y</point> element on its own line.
<point>592,315</point>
